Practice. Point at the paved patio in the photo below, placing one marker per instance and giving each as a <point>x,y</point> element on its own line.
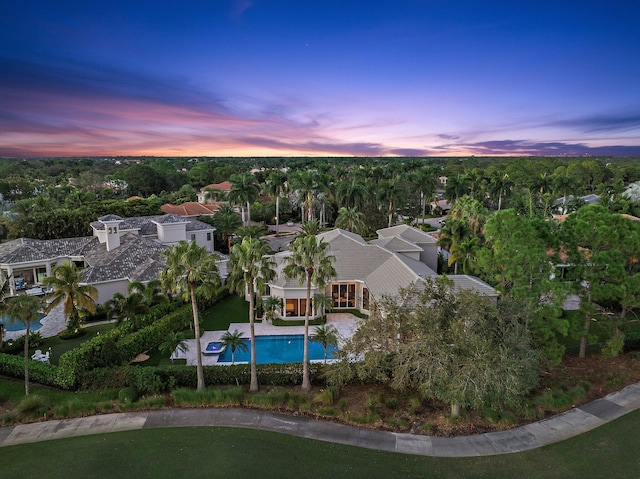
<point>52,324</point>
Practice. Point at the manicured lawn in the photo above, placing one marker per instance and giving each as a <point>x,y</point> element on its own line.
<point>609,451</point>
<point>232,309</point>
<point>60,346</point>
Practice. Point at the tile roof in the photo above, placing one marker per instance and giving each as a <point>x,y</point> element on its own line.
<point>25,249</point>
<point>135,259</point>
<point>406,232</point>
<point>147,225</point>
<point>191,208</point>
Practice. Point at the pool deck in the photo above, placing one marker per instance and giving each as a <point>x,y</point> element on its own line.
<point>345,323</point>
<point>52,324</point>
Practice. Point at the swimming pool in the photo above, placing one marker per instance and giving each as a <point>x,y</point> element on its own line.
<point>19,325</point>
<point>287,348</point>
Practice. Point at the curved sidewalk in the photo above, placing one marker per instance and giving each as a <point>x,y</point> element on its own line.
<point>571,423</point>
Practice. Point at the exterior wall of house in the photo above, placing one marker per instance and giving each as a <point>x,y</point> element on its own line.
<point>429,255</point>
<point>108,289</point>
<point>172,233</point>
<point>294,301</point>
<point>202,238</point>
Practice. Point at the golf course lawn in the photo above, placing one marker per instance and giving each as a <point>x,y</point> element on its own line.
<point>611,451</point>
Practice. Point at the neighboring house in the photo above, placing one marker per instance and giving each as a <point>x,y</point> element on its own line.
<point>191,209</point>
<point>560,206</point>
<point>120,251</point>
<point>224,187</point>
<point>401,256</point>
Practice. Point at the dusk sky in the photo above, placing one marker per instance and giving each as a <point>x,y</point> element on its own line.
<point>322,77</point>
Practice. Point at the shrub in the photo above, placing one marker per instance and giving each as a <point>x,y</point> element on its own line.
<point>128,395</point>
<point>327,396</point>
<point>31,406</point>
<point>42,373</point>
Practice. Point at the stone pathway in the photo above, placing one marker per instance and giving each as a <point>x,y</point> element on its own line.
<point>571,423</point>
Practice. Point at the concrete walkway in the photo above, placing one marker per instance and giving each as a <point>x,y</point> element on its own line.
<point>560,427</point>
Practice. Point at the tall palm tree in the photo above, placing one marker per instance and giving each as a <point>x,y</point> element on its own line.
<point>392,192</point>
<point>310,228</point>
<point>464,251</point>
<point>306,186</point>
<point>244,191</point>
<point>451,234</point>
<point>5,289</point>
<point>249,270</point>
<point>26,309</point>
<point>234,341</point>
<point>226,221</point>
<point>456,187</point>
<point>426,181</point>
<point>352,193</point>
<point>310,263</point>
<point>500,186</point>
<point>350,219</point>
<point>327,335</point>
<point>191,267</point>
<point>276,185</point>
<point>68,290</point>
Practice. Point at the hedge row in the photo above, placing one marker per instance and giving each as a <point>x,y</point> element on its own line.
<point>39,372</point>
<point>117,347</point>
<point>165,378</point>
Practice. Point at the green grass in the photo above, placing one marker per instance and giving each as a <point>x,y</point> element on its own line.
<point>60,346</point>
<point>232,309</point>
<point>609,451</point>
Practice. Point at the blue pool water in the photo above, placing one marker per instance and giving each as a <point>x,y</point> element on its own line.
<point>278,349</point>
<point>19,325</point>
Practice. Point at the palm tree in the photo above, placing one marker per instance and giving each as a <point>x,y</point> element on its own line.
<point>456,187</point>
<point>322,302</point>
<point>276,185</point>
<point>151,292</point>
<point>173,341</point>
<point>271,305</point>
<point>500,186</point>
<point>451,234</point>
<point>253,231</point>
<point>426,179</point>
<point>352,193</point>
<point>244,191</point>
<point>465,251</point>
<point>350,219</point>
<point>393,193</point>
<point>310,228</point>
<point>226,221</point>
<point>5,289</point>
<point>212,194</point>
<point>249,270</point>
<point>26,309</point>
<point>310,263</point>
<point>68,290</point>
<point>327,335</point>
<point>190,266</point>
<point>127,308</point>
<point>306,186</point>
<point>234,341</point>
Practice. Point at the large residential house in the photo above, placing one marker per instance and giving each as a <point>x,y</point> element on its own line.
<point>401,256</point>
<point>120,251</point>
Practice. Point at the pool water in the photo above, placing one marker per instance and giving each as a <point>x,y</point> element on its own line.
<point>278,349</point>
<point>19,325</point>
